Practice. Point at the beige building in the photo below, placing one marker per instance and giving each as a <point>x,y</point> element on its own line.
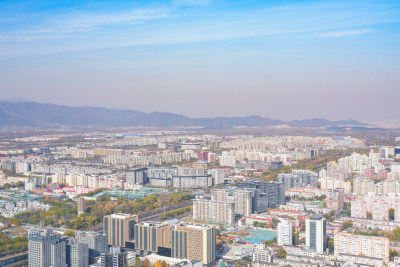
<point>194,242</point>
<point>243,199</point>
<point>335,199</point>
<point>119,228</point>
<point>368,246</point>
<point>213,211</point>
<point>151,235</point>
<point>81,205</point>
<point>363,186</point>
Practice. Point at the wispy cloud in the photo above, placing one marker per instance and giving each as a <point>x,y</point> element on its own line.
<point>83,22</point>
<point>338,34</point>
<point>174,22</point>
<point>63,25</point>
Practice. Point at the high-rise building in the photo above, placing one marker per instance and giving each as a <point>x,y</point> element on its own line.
<point>299,178</point>
<point>285,233</point>
<point>202,155</point>
<point>151,235</point>
<point>213,211</point>
<point>359,208</point>
<point>316,233</point>
<point>194,242</point>
<point>335,199</point>
<point>262,256</point>
<point>244,202</point>
<point>114,258</point>
<point>81,205</point>
<point>119,228</point>
<point>137,176</point>
<point>272,192</point>
<point>218,176</point>
<point>368,246</point>
<point>58,254</point>
<point>362,186</point>
<point>45,249</point>
<point>212,157</point>
<point>97,242</point>
<point>77,255</point>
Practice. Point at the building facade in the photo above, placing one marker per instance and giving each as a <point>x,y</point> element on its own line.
<point>213,211</point>
<point>151,235</point>
<point>194,242</point>
<point>369,246</point>
<point>119,228</point>
<point>285,233</point>
<point>316,233</point>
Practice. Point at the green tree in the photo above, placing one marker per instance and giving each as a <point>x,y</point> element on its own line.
<point>347,224</point>
<point>14,221</point>
<point>246,259</point>
<point>393,253</point>
<point>331,244</point>
<point>70,233</point>
<point>281,253</point>
<point>138,262</point>
<point>271,242</point>
<point>391,214</point>
<point>296,238</point>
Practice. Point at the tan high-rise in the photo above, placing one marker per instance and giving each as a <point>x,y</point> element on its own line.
<point>119,228</point>
<point>151,235</point>
<point>194,242</point>
<point>81,205</point>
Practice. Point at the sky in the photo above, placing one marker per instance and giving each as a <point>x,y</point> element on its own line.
<point>203,58</point>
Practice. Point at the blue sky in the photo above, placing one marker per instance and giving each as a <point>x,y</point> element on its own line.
<point>279,59</point>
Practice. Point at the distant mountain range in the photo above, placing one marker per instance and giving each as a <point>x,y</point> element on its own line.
<point>49,115</point>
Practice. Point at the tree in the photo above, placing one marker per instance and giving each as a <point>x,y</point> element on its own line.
<point>218,233</point>
<point>281,253</point>
<point>247,259</point>
<point>331,244</point>
<point>163,264</point>
<point>347,224</point>
<point>238,264</point>
<point>393,253</point>
<point>255,223</point>
<point>138,262</point>
<point>146,262</point>
<point>369,215</point>
<point>296,238</point>
<point>271,242</point>
<point>70,233</point>
<point>391,214</point>
<point>14,221</point>
<point>394,235</point>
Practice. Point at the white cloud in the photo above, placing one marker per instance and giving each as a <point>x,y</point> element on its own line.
<point>337,34</point>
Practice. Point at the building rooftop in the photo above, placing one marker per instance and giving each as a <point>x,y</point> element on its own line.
<point>122,215</point>
<point>316,217</point>
<point>196,226</point>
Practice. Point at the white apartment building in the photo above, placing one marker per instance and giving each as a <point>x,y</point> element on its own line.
<point>316,233</point>
<point>285,233</point>
<point>214,211</point>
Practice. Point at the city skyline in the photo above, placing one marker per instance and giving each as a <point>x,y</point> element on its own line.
<point>282,59</point>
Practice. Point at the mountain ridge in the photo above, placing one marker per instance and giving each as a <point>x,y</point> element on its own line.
<point>46,115</point>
